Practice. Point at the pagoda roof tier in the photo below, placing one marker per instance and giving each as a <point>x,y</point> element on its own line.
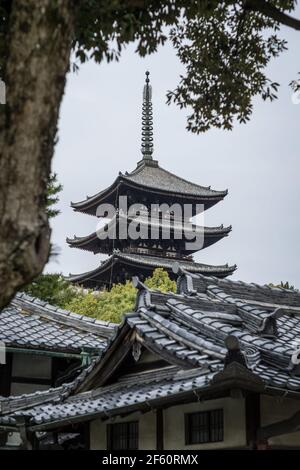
<point>122,266</point>
<point>96,243</point>
<point>150,183</point>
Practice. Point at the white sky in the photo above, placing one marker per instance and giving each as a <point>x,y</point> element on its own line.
<point>259,163</point>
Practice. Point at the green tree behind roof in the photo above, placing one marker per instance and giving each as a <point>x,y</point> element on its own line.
<point>160,280</point>
<point>52,288</point>
<point>104,305</point>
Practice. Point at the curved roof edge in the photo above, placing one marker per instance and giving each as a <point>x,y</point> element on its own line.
<point>156,179</point>
<point>208,231</point>
<point>155,262</point>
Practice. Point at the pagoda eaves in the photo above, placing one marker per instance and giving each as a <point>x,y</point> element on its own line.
<point>122,266</point>
<point>159,185</point>
<point>102,241</point>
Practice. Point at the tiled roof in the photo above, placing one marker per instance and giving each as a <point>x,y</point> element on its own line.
<point>153,262</point>
<point>153,176</point>
<point>188,330</point>
<point>149,175</point>
<point>31,323</point>
<point>131,391</point>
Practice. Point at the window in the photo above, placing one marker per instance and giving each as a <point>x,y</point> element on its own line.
<point>205,426</point>
<point>123,436</point>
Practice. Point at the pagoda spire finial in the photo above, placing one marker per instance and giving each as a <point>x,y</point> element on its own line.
<point>147,121</point>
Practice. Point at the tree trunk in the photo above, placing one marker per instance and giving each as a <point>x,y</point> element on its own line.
<point>41,34</point>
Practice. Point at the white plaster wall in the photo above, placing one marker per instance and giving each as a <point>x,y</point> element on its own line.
<point>147,431</point>
<point>234,424</point>
<point>174,431</point>
<point>275,409</point>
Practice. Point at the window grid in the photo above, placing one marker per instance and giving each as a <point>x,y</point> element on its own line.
<point>204,426</point>
<point>122,436</point>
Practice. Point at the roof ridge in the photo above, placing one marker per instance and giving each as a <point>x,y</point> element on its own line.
<point>263,287</point>
<point>60,315</point>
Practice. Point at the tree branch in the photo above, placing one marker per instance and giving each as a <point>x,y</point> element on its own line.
<point>272,12</point>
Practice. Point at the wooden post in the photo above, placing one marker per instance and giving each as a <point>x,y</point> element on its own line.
<point>159,429</point>
<point>252,418</point>
<point>26,437</point>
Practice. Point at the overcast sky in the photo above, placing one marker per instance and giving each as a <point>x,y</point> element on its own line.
<point>259,163</point>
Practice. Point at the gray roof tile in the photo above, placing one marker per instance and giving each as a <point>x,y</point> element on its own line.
<point>188,330</point>
<point>36,324</point>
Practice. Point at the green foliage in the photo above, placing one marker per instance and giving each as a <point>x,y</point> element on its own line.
<point>111,305</point>
<point>283,285</point>
<point>160,280</point>
<point>224,45</point>
<point>225,53</point>
<point>104,305</point>
<point>53,189</point>
<point>52,288</point>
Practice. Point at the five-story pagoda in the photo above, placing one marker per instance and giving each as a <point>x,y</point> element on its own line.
<point>156,230</point>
